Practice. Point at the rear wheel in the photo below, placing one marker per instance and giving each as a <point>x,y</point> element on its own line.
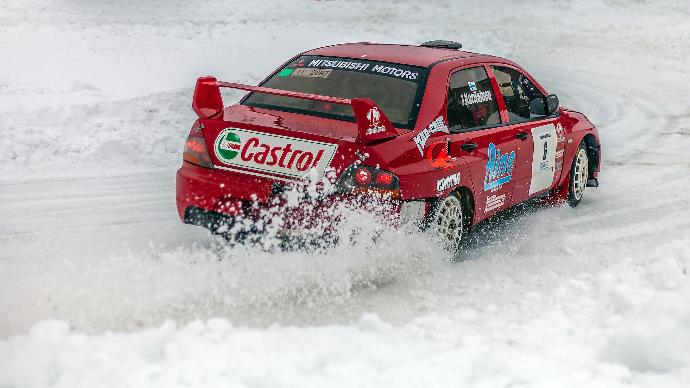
<point>448,222</point>
<point>579,172</point>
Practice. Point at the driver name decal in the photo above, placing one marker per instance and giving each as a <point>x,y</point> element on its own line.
<point>475,98</point>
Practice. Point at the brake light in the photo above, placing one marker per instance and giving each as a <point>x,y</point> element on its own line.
<point>368,180</point>
<point>384,178</point>
<point>362,176</point>
<point>195,150</point>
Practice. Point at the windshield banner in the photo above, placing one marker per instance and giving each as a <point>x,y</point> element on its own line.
<point>410,73</point>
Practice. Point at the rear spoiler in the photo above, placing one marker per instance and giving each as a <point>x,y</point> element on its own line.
<point>372,124</point>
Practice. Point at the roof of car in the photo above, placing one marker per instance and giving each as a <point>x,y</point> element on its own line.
<point>396,53</point>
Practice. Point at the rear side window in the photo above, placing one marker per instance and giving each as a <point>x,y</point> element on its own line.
<point>396,88</point>
<point>471,100</point>
<point>517,91</point>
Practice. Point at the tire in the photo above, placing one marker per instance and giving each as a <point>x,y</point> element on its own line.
<point>579,172</point>
<point>448,222</point>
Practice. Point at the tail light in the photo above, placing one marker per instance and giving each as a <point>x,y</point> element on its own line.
<point>368,180</point>
<point>195,150</point>
<point>363,176</point>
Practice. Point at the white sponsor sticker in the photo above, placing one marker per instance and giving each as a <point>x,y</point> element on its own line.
<point>446,183</point>
<point>423,136</point>
<point>267,153</point>
<point>374,117</point>
<point>494,202</point>
<point>560,131</point>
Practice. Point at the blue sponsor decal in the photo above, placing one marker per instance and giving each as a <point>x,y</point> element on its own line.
<point>499,168</point>
<point>472,86</point>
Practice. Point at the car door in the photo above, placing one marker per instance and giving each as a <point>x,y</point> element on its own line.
<point>538,141</point>
<point>480,139</point>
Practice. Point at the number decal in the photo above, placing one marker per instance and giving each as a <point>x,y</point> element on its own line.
<point>543,158</point>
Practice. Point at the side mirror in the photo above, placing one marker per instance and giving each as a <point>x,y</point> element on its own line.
<point>544,106</point>
<point>551,104</point>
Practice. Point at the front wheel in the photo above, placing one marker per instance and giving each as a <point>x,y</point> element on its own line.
<point>448,222</point>
<point>579,172</point>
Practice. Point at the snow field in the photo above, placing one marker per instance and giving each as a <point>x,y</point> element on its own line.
<point>101,286</point>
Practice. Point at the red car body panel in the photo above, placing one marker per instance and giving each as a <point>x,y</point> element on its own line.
<point>227,188</point>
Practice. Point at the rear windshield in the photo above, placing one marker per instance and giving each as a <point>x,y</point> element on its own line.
<point>395,88</point>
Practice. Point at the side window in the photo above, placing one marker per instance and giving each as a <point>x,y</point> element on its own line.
<point>517,91</point>
<point>471,100</point>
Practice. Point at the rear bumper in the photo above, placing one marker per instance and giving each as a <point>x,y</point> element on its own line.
<point>214,199</point>
<point>218,191</point>
<point>213,221</point>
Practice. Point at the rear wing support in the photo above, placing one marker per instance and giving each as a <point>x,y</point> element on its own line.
<point>372,123</point>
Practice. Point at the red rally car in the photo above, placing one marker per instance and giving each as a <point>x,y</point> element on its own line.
<point>450,137</point>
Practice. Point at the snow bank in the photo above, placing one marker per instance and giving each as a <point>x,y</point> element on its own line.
<point>655,335</point>
<point>433,351</point>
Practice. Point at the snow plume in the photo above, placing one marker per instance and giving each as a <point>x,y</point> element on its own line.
<point>314,213</point>
<point>346,253</point>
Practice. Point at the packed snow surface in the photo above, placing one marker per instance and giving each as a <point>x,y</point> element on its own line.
<point>101,286</point>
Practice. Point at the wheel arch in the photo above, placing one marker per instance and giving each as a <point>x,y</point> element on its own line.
<point>467,200</point>
<point>593,153</point>
<point>591,145</point>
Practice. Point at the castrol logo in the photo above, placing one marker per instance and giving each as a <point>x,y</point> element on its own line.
<point>259,153</point>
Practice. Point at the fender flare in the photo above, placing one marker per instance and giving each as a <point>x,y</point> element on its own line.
<point>573,141</point>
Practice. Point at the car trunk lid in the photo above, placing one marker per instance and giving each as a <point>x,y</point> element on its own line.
<point>260,144</point>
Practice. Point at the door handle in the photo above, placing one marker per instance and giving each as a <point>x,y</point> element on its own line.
<point>469,147</point>
<point>522,135</point>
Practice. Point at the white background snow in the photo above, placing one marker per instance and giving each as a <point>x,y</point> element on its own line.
<point>101,286</point>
